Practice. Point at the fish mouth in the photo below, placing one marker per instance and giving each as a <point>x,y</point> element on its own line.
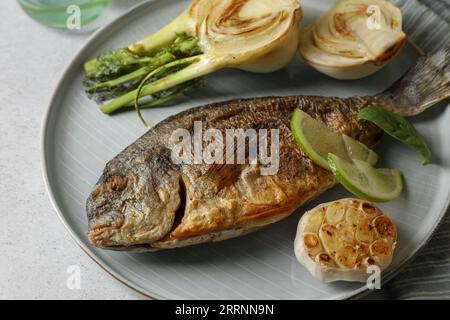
<point>104,215</point>
<point>104,221</point>
<point>104,226</point>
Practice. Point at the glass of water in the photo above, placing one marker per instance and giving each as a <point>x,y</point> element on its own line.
<point>69,14</point>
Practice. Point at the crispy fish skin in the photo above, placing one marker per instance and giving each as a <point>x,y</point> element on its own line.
<point>145,202</point>
<point>137,198</point>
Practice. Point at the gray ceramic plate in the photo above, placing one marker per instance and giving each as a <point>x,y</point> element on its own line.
<point>78,140</point>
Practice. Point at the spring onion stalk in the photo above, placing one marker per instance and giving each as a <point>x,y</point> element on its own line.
<point>354,39</point>
<point>252,35</point>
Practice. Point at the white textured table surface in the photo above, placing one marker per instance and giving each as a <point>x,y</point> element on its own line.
<point>35,248</point>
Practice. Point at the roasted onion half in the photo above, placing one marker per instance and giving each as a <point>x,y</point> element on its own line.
<point>255,35</point>
<point>252,35</point>
<point>354,39</point>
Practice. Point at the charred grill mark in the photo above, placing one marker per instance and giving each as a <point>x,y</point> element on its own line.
<point>389,53</point>
<point>230,19</point>
<point>369,208</point>
<point>242,26</point>
<point>341,25</point>
<point>384,226</point>
<point>233,9</point>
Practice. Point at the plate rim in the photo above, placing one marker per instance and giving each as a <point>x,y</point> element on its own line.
<point>360,292</point>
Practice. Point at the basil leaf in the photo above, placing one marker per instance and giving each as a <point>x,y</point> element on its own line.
<point>397,127</point>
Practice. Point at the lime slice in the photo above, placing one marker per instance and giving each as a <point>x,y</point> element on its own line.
<point>357,150</point>
<point>316,140</point>
<point>366,182</point>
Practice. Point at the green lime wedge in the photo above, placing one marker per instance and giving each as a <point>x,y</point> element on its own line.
<point>357,150</point>
<point>316,140</point>
<point>366,182</point>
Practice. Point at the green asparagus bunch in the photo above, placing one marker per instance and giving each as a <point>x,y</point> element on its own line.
<point>119,72</point>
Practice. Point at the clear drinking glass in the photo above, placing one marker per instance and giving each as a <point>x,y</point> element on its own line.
<point>69,14</point>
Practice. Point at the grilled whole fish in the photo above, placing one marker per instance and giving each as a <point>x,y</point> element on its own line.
<point>144,201</point>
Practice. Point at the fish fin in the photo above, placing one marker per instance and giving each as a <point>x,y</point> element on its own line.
<point>213,170</point>
<point>223,174</point>
<point>424,85</point>
<point>264,212</point>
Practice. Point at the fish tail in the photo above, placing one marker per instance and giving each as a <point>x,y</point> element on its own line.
<point>424,85</point>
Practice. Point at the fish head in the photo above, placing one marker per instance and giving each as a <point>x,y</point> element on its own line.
<point>135,201</point>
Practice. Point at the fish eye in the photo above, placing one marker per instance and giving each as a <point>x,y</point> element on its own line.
<point>116,184</point>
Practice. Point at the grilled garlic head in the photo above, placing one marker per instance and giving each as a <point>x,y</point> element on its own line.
<point>354,39</point>
<point>341,239</point>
